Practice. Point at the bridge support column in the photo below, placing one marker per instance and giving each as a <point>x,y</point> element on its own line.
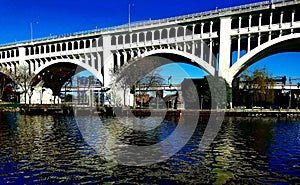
<point>225,48</point>
<point>125,56</point>
<point>249,43</point>
<point>98,64</point>
<point>293,18</point>
<point>118,60</point>
<point>210,51</point>
<point>271,18</point>
<point>108,61</point>
<point>249,23</point>
<point>259,21</point>
<point>239,47</point>
<point>128,98</point>
<point>22,54</point>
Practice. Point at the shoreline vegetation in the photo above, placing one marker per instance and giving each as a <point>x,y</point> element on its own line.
<point>119,111</point>
<point>9,107</point>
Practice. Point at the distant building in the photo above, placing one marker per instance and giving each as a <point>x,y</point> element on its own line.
<point>171,101</point>
<point>142,99</point>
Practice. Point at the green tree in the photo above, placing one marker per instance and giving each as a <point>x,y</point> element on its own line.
<point>260,81</point>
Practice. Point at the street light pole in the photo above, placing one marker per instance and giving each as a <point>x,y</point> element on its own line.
<point>201,103</point>
<point>31,32</point>
<point>290,100</point>
<point>129,16</point>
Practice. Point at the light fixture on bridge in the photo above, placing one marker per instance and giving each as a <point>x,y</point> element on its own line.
<point>272,6</point>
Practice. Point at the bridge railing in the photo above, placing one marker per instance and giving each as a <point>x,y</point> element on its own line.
<point>124,27</point>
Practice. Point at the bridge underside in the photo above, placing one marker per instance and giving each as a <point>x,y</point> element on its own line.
<point>135,70</point>
<point>55,76</point>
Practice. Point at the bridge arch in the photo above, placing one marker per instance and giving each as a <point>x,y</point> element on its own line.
<point>120,39</point>
<point>6,72</point>
<point>72,61</point>
<point>134,38</point>
<point>194,60</point>
<point>164,34</point>
<point>149,36</point>
<point>113,40</point>
<point>157,35</point>
<point>180,31</point>
<point>127,39</point>
<point>142,37</point>
<point>172,33</point>
<point>287,43</point>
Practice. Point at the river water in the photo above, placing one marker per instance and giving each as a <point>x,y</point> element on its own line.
<point>58,150</point>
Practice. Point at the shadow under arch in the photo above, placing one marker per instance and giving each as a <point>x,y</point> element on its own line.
<point>6,86</point>
<point>56,74</point>
<point>4,71</point>
<point>287,43</point>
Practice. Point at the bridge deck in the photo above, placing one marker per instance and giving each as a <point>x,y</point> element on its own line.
<point>155,23</point>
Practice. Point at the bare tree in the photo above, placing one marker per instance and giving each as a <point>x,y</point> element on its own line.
<point>24,79</point>
<point>138,71</point>
<point>135,77</point>
<point>153,79</point>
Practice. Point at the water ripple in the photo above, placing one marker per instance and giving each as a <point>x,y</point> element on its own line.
<point>51,150</point>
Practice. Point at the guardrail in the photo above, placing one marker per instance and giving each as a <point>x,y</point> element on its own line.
<point>223,11</point>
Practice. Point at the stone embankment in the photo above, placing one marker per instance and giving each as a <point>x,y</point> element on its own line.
<point>109,111</point>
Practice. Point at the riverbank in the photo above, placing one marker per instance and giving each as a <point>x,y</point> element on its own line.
<point>262,113</point>
<point>118,111</point>
<point>223,112</point>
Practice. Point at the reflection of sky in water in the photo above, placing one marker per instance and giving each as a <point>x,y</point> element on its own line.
<point>284,151</point>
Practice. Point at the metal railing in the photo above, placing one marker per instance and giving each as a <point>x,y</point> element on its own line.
<point>124,27</point>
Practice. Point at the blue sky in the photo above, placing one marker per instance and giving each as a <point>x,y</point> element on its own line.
<point>59,17</point>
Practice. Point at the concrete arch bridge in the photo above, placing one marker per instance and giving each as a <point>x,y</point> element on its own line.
<point>221,42</point>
